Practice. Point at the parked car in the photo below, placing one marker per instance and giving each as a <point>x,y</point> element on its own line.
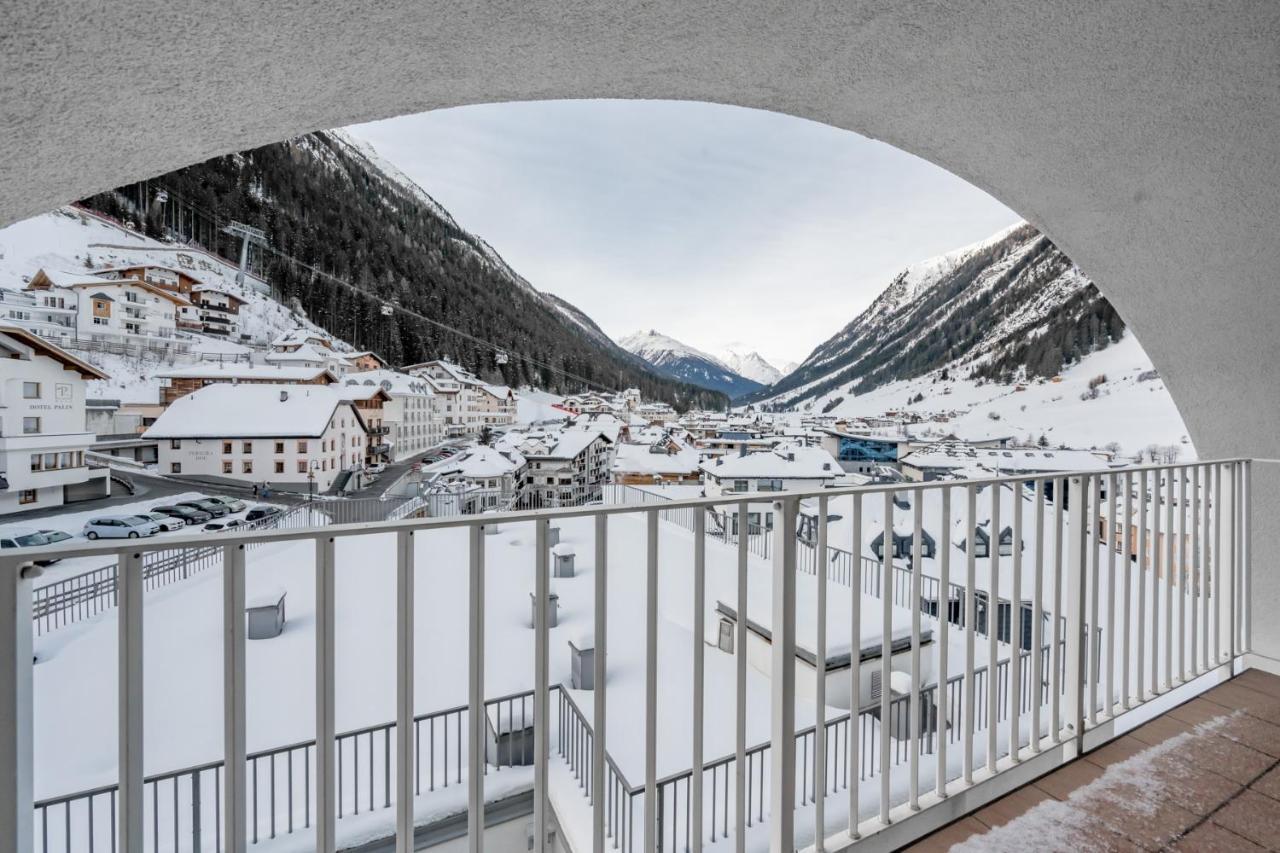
<point>232,504</point>
<point>375,468</point>
<point>56,536</point>
<point>120,527</point>
<point>186,514</point>
<point>260,513</point>
<point>166,522</point>
<point>24,538</point>
<point>214,508</point>
<point>217,526</point>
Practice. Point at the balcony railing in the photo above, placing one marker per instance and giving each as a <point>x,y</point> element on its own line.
<point>965,707</point>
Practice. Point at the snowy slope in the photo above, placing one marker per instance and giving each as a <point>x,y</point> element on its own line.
<point>72,239</point>
<point>684,362</point>
<point>752,366</point>
<point>1131,413</point>
<point>972,307</point>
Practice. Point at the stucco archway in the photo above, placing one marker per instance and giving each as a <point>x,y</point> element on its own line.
<point>1144,140</point>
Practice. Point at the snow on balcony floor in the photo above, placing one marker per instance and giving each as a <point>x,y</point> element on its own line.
<point>1204,776</point>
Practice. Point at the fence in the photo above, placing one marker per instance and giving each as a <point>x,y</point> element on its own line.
<point>1108,637</point>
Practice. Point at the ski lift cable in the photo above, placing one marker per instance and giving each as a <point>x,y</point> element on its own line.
<point>499,351</point>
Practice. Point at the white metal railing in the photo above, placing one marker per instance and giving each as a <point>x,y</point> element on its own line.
<point>1117,619</point>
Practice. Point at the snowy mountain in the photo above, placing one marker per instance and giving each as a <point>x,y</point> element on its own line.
<point>688,364</point>
<point>752,366</point>
<point>1010,307</point>
<point>351,236</point>
<point>1005,337</point>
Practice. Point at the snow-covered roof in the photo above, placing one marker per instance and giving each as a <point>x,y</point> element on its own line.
<point>786,461</point>
<point>297,337</point>
<point>567,444</point>
<point>239,370</point>
<point>250,411</point>
<point>1008,461</point>
<point>393,382</point>
<point>640,459</point>
<point>305,352</point>
<point>479,462</point>
<point>40,346</point>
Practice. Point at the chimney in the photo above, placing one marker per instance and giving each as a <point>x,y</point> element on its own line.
<point>791,456</point>
<point>742,449</point>
<point>284,395</point>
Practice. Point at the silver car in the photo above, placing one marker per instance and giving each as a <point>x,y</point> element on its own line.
<point>166,522</point>
<point>120,527</point>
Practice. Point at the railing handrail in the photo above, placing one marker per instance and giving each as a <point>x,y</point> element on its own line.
<point>338,531</point>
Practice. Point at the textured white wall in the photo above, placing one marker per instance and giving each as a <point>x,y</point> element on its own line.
<point>1143,138</point>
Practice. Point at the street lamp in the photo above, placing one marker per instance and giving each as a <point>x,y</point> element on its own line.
<point>311,481</point>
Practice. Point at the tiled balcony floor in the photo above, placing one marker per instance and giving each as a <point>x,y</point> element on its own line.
<point>1205,776</point>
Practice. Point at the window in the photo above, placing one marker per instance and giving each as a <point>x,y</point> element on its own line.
<point>302,447</point>
<point>30,426</point>
<point>226,466</point>
<point>742,485</point>
<point>248,447</point>
<point>279,447</point>
<point>101,321</point>
<point>279,467</point>
<point>226,447</point>
<point>246,467</point>
<point>37,462</point>
<point>31,390</point>
<point>175,467</point>
<point>302,466</point>
<point>769,485</point>
<point>27,496</point>
<point>175,443</point>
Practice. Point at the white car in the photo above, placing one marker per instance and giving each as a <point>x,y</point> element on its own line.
<point>166,522</point>
<point>120,527</point>
<point>375,468</point>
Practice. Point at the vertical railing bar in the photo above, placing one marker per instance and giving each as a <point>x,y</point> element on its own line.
<point>406,727</point>
<point>886,649</point>
<point>783,677</point>
<point>1076,580</point>
<point>326,799</point>
<point>542,705</point>
<point>1144,539</point>
<point>598,767</point>
<point>1015,630</point>
<point>1197,579</point>
<point>993,629</point>
<point>1217,564</point>
<point>1158,572</point>
<point>475,690</point>
<point>855,671</point>
<point>1092,541</point>
<point>1246,541</point>
<point>1182,575</point>
<point>915,718</point>
<point>233,694</point>
<point>694,826</point>
<point>1059,497</point>
<point>1110,544</point>
<point>970,618</point>
<point>129,588</point>
<point>651,683</point>
<point>1127,608</point>
<point>944,626</point>
<point>1037,618</point>
<point>820,684</point>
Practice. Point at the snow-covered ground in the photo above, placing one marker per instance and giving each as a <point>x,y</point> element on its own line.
<point>1130,412</point>
<point>76,241</point>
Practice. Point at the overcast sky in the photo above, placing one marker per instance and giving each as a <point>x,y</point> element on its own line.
<point>720,226</point>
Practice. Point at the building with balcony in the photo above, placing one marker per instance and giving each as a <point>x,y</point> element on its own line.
<point>564,466</point>
<point>787,467</point>
<point>126,310</point>
<point>179,381</point>
<point>219,310</point>
<point>412,416</point>
<point>43,425</point>
<point>299,436</point>
<point>49,315</point>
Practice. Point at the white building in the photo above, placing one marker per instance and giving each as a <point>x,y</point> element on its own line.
<point>219,311</point>
<point>493,477</point>
<point>786,467</point>
<point>463,408</point>
<point>566,466</point>
<point>960,460</point>
<point>49,315</point>
<point>123,310</point>
<point>43,433</point>
<point>281,434</point>
<point>414,414</point>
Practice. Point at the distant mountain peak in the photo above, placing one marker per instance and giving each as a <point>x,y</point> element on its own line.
<point>681,361</point>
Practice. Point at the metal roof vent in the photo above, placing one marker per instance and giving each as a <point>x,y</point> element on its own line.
<point>284,395</point>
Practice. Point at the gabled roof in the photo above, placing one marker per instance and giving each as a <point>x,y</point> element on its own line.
<point>40,346</point>
<point>786,461</point>
<point>75,282</point>
<point>260,372</point>
<point>251,411</point>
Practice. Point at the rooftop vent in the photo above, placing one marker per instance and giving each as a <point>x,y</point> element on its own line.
<point>284,395</point>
